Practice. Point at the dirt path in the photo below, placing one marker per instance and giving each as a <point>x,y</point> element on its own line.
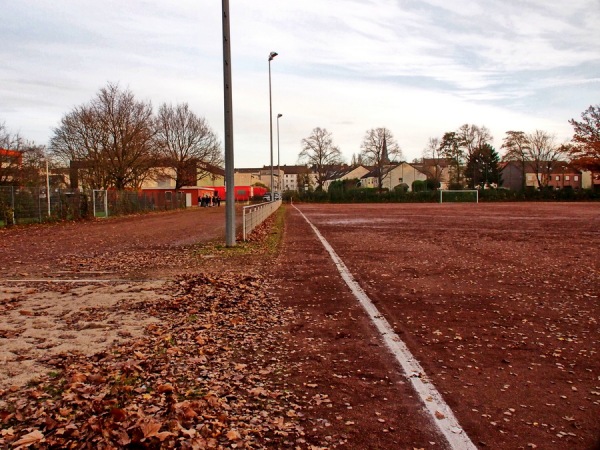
<point>60,284</point>
<point>122,247</point>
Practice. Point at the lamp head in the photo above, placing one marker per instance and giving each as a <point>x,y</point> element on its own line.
<point>279,115</point>
<point>272,55</point>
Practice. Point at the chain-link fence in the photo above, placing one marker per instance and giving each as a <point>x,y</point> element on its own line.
<point>130,202</point>
<point>20,205</point>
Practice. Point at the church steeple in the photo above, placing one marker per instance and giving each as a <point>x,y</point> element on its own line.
<point>385,159</point>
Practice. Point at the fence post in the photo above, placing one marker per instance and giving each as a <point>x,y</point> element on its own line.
<point>40,203</point>
<point>244,223</point>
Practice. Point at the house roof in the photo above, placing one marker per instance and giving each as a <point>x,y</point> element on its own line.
<point>564,167</point>
<point>442,162</point>
<point>342,172</point>
<point>248,170</point>
<point>375,171</point>
<point>216,170</point>
<point>297,170</point>
<point>530,167</point>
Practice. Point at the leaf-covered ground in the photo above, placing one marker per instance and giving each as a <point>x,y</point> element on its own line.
<point>208,374</point>
<point>208,371</point>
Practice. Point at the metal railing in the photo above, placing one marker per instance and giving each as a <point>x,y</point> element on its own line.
<point>254,215</point>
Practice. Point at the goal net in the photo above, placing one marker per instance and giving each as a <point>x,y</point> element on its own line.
<point>456,196</point>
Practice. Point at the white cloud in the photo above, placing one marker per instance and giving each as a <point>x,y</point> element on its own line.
<point>418,67</point>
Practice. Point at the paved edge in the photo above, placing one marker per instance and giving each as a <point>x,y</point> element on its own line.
<point>441,415</point>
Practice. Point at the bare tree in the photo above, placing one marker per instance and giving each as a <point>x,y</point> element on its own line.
<point>356,160</point>
<point>185,142</point>
<point>451,148</point>
<point>110,138</point>
<point>10,141</point>
<point>319,152</point>
<point>33,170</point>
<point>473,138</point>
<point>379,149</point>
<point>542,154</point>
<point>516,147</point>
<point>433,161</point>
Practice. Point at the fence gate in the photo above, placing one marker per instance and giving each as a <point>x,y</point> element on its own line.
<point>100,201</point>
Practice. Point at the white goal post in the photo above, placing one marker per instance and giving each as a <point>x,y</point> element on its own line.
<point>455,195</point>
<point>100,202</point>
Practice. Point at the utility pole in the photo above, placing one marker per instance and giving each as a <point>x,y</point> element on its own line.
<point>228,103</point>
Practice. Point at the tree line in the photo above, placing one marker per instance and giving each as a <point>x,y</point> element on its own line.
<point>471,158</point>
<point>378,149</point>
<point>117,141</point>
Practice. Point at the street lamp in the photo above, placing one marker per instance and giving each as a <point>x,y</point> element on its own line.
<point>48,189</point>
<point>271,56</point>
<point>278,167</point>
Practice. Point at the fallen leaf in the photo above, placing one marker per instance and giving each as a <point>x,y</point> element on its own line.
<point>233,435</point>
<point>30,438</point>
<point>150,428</point>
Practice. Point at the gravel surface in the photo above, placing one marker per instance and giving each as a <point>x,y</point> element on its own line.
<point>263,346</point>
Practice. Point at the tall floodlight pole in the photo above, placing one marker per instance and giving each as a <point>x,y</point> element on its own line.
<point>278,164</point>
<point>228,104</point>
<point>48,188</point>
<point>271,56</point>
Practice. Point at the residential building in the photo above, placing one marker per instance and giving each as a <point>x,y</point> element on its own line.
<point>564,175</point>
<point>210,175</point>
<point>251,176</point>
<point>561,175</point>
<point>345,173</point>
<point>590,180</point>
<point>394,175</point>
<point>403,174</point>
<point>10,160</point>
<point>165,177</point>
<point>295,178</point>
<point>436,169</point>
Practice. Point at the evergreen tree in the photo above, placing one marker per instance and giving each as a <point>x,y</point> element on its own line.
<point>482,167</point>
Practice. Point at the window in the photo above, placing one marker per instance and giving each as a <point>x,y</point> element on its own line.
<point>557,177</point>
<point>567,177</point>
<point>576,178</point>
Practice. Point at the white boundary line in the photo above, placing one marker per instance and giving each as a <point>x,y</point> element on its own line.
<point>76,280</point>
<point>441,414</point>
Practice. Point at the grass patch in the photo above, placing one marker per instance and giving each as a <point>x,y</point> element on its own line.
<point>275,237</point>
<point>267,237</point>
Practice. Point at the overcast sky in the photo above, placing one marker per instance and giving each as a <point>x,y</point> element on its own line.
<point>417,67</point>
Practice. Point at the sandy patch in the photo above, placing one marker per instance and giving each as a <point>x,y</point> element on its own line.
<point>41,320</point>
